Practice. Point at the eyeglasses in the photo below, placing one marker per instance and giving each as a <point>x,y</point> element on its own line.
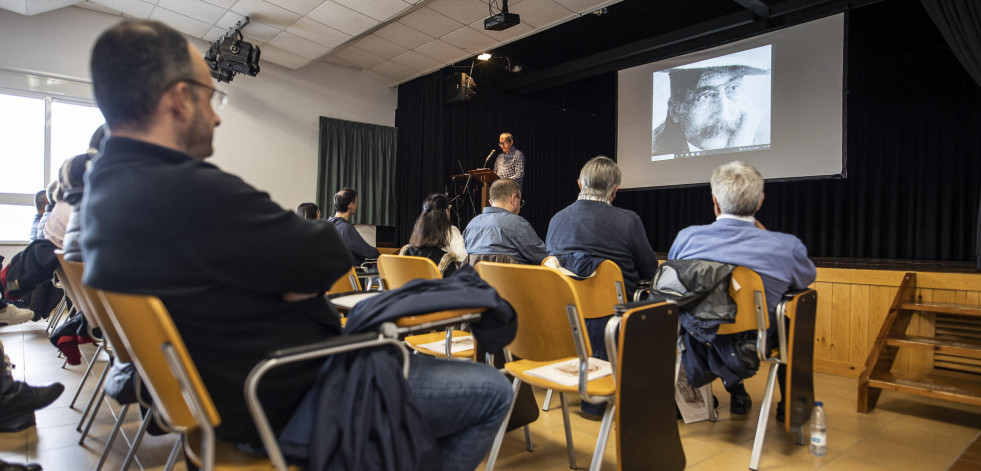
<point>522,204</point>
<point>218,98</point>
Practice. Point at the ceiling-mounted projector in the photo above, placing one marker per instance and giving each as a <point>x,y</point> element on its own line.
<point>502,20</point>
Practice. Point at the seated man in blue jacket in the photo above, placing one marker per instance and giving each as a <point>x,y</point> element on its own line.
<point>500,231</point>
<point>737,238</point>
<point>239,275</point>
<point>591,230</point>
<point>345,206</point>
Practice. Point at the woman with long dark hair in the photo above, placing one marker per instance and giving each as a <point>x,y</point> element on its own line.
<point>434,236</point>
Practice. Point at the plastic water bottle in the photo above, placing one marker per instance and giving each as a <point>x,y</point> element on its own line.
<point>819,430</point>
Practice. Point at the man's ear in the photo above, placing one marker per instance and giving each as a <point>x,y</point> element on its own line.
<point>762,195</point>
<point>614,194</point>
<point>673,112</point>
<point>715,206</point>
<point>580,184</point>
<point>177,100</point>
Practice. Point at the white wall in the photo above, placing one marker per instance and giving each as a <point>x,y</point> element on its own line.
<point>269,131</point>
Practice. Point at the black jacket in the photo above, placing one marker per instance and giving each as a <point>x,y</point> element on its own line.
<point>701,289</point>
<point>360,414</point>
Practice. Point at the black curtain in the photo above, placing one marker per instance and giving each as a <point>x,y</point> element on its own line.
<point>360,156</point>
<point>959,21</point>
<point>912,122</point>
<point>422,165</point>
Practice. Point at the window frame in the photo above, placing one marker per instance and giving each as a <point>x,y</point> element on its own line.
<point>50,98</point>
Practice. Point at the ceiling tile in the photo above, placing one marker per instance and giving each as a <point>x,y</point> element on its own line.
<point>464,11</point>
<point>34,7</point>
<point>184,24</point>
<point>342,18</point>
<point>333,59</point>
<point>417,62</point>
<point>363,59</point>
<point>259,31</point>
<point>297,6</point>
<point>230,19</point>
<point>399,33</point>
<point>96,7</point>
<point>286,59</point>
<point>395,71</point>
<point>196,9</point>
<point>430,22</point>
<point>379,47</point>
<point>226,4</point>
<point>266,12</point>
<point>381,10</point>
<point>585,6</point>
<point>134,8</point>
<point>541,13</point>
<point>470,40</point>
<point>442,51</point>
<point>318,33</point>
<point>390,82</point>
<point>299,46</point>
<point>214,33</point>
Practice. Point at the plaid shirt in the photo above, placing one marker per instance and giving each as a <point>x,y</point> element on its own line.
<point>511,165</point>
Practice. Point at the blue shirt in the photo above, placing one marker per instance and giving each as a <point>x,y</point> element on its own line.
<point>586,232</point>
<point>780,259</point>
<point>497,231</point>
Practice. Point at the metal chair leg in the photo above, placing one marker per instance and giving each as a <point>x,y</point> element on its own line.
<point>88,370</point>
<point>53,318</point>
<point>771,381</point>
<point>604,436</point>
<point>137,440</point>
<point>95,412</point>
<point>492,458</point>
<point>95,394</point>
<point>528,445</point>
<point>548,400</point>
<point>112,437</point>
<point>568,431</point>
<point>172,459</point>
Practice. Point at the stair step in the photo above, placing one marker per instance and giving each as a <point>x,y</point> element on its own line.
<point>940,387</point>
<point>946,308</point>
<point>960,347</point>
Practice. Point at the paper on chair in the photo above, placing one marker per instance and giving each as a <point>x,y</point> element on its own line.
<point>348,302</point>
<point>566,373</point>
<point>457,345</point>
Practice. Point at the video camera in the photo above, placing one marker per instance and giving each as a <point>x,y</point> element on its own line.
<point>230,55</point>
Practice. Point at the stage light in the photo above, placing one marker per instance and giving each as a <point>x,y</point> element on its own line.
<point>484,56</point>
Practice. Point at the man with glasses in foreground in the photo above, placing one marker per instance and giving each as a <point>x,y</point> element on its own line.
<point>239,275</point>
<point>500,231</point>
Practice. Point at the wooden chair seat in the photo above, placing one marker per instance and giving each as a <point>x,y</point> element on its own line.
<point>604,386</point>
<point>415,342</point>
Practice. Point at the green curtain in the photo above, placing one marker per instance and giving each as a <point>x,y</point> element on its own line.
<point>360,156</point>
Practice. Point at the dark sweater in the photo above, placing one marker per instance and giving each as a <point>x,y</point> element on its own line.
<point>220,254</point>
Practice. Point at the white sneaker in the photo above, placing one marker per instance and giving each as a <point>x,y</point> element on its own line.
<point>13,315</point>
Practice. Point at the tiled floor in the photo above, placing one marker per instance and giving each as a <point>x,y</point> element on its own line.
<point>903,433</point>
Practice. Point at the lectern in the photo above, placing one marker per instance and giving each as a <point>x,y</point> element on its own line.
<point>485,176</point>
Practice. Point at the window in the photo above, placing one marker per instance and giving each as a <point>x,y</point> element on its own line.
<point>39,133</point>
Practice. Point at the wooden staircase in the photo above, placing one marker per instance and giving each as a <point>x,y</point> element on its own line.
<point>877,375</point>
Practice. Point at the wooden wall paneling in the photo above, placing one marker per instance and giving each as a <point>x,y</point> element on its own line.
<point>840,321</point>
<point>859,324</point>
<point>822,323</point>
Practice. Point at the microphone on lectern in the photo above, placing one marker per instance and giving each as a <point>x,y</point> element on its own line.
<point>489,156</point>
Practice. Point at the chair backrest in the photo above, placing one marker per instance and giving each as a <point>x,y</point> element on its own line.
<point>397,270</point>
<point>474,258</point>
<point>72,291</point>
<point>347,283</point>
<point>544,301</point>
<point>602,291</point>
<point>92,306</point>
<point>148,332</point>
<point>646,425</point>
<point>746,288</point>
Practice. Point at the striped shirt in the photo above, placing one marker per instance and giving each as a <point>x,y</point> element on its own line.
<point>511,165</point>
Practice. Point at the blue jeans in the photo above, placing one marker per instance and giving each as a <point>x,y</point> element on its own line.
<point>463,404</point>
